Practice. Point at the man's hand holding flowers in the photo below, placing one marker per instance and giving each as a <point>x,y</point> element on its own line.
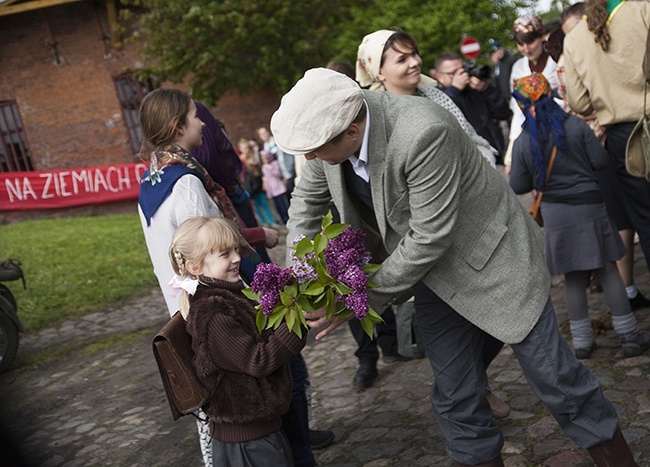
<point>318,319</point>
<point>325,285</point>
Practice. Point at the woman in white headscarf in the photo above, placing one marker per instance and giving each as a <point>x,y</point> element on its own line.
<point>388,60</point>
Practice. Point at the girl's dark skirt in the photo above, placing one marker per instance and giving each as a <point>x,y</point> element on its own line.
<point>270,451</point>
<point>579,237</point>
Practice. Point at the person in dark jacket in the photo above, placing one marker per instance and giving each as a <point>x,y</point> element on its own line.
<point>480,101</point>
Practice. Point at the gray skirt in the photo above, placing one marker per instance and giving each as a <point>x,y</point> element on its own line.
<point>270,451</point>
<point>579,237</point>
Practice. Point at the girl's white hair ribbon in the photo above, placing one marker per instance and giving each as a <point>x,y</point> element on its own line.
<point>177,283</point>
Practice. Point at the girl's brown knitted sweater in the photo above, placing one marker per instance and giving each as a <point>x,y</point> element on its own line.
<point>246,372</point>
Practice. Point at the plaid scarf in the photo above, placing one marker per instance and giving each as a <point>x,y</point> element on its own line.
<point>176,155</point>
<point>173,155</point>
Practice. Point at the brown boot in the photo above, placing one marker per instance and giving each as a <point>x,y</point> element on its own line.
<point>498,462</point>
<point>613,453</point>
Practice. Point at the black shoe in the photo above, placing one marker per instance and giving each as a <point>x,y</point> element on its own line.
<point>366,374</point>
<point>638,302</point>
<point>635,343</point>
<point>319,439</point>
<point>396,358</point>
<point>585,352</point>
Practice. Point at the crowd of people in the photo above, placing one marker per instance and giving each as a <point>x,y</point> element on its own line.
<point>415,167</point>
<point>267,174</point>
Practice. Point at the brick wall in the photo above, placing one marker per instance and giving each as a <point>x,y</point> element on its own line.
<point>242,115</point>
<point>70,111</point>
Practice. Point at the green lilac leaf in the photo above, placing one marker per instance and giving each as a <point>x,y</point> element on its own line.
<point>260,320</point>
<point>304,304</point>
<point>327,220</point>
<point>316,289</point>
<point>370,268</point>
<point>303,247</point>
<point>276,317</point>
<point>334,230</point>
<point>320,242</point>
<point>250,294</point>
<point>286,299</point>
<point>368,327</point>
<point>343,289</point>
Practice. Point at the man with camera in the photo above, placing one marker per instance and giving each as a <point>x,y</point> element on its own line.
<point>480,101</point>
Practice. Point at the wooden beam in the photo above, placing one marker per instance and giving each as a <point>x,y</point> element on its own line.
<point>111,11</point>
<point>12,7</point>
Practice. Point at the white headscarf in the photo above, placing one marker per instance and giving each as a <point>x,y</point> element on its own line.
<point>369,58</point>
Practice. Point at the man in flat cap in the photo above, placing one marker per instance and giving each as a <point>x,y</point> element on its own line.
<point>402,169</point>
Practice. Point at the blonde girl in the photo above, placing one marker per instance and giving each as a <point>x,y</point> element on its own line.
<point>202,246</point>
<point>247,372</point>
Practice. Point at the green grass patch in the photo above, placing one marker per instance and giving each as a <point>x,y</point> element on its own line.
<point>76,265</point>
<point>107,344</point>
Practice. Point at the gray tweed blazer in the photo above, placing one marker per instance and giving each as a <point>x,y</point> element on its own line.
<point>444,216</point>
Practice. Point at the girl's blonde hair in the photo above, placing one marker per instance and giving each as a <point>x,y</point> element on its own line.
<point>195,239</point>
<point>162,113</point>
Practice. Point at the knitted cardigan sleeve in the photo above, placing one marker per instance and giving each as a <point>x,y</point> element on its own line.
<point>226,338</point>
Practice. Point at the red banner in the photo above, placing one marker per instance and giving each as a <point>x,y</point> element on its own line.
<point>50,189</point>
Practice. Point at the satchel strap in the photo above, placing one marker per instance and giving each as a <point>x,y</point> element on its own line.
<point>550,163</point>
<point>538,198</point>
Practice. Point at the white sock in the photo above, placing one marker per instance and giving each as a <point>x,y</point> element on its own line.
<point>631,291</point>
<point>625,324</point>
<point>582,333</point>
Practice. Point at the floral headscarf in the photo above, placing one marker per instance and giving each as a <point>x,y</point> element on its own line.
<point>530,89</point>
<point>527,24</point>
<point>546,123</point>
<point>369,58</point>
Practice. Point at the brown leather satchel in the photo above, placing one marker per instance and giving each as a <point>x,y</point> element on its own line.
<point>172,347</point>
<point>535,209</point>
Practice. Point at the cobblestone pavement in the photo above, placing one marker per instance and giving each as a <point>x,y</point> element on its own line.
<point>88,393</point>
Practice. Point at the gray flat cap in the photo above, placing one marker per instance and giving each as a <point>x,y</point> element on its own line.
<point>321,105</point>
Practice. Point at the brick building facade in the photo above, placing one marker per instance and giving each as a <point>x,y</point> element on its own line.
<point>60,84</point>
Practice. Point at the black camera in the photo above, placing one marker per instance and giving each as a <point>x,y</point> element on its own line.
<point>481,72</point>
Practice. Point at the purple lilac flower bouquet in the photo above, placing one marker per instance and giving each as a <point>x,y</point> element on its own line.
<point>329,271</point>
